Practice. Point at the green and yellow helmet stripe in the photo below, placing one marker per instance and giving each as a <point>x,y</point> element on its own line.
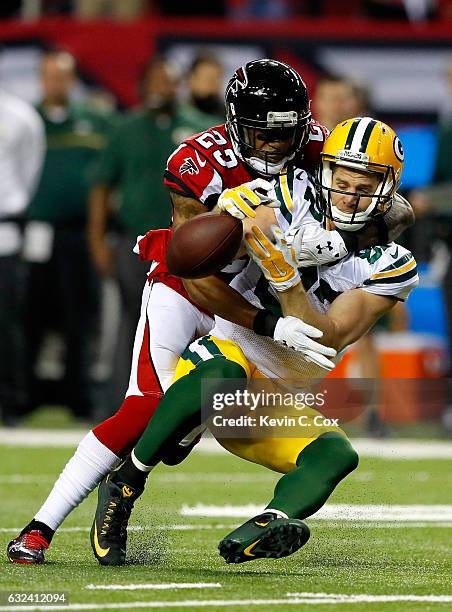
<point>359,134</point>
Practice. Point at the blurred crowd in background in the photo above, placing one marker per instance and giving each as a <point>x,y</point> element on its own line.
<point>412,10</point>
<point>90,182</point>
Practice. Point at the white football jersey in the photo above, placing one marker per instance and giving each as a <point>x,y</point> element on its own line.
<point>387,270</point>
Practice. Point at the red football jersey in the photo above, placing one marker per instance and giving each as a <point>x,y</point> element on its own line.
<point>202,167</point>
<point>205,164</point>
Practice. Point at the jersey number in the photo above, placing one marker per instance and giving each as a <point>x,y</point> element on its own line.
<point>225,157</point>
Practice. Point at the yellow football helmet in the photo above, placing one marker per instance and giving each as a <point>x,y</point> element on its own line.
<point>367,145</point>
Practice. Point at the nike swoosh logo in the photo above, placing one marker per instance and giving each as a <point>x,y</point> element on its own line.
<point>262,524</point>
<point>101,552</point>
<point>247,552</point>
<point>200,162</point>
<point>396,254</point>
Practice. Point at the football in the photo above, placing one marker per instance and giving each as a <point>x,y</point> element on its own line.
<point>204,245</point>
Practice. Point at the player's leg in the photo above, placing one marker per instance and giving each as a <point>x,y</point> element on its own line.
<point>178,414</point>
<point>96,455</point>
<point>314,466</point>
<point>102,448</point>
<point>171,324</point>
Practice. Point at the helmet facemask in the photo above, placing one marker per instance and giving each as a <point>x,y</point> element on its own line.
<point>371,148</point>
<point>380,201</point>
<point>249,138</point>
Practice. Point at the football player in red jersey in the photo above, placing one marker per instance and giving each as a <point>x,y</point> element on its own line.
<point>268,127</point>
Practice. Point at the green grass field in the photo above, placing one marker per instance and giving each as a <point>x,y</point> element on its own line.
<point>343,557</point>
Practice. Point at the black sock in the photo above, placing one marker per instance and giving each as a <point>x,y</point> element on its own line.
<point>42,527</point>
<point>129,474</point>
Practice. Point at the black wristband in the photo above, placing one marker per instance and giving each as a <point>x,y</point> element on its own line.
<point>264,323</point>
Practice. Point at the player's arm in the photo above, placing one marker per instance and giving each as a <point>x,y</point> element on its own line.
<point>99,209</point>
<point>350,316</point>
<point>184,208</point>
<point>386,229</point>
<point>213,294</point>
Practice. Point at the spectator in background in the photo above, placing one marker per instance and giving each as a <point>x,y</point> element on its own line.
<point>132,168</point>
<point>204,106</point>
<point>61,286</point>
<point>335,99</point>
<point>22,145</point>
<point>124,10</point>
<point>128,197</point>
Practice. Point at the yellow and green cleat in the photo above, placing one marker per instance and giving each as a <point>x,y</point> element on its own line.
<point>109,530</point>
<point>266,536</point>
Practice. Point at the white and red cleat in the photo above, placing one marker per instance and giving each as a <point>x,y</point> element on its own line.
<point>28,548</point>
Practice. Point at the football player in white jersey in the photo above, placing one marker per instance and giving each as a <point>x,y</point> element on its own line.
<point>362,161</point>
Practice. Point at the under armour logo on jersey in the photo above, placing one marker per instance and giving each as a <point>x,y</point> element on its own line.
<point>189,166</point>
<point>320,248</point>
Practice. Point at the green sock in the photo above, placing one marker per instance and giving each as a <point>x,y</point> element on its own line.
<point>321,466</point>
<point>179,412</point>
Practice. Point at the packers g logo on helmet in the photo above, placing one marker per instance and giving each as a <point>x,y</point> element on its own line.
<point>366,145</point>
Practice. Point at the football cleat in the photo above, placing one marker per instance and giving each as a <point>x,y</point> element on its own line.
<point>266,536</point>
<point>109,531</point>
<point>28,548</point>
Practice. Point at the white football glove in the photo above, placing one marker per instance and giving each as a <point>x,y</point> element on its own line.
<point>315,246</point>
<point>297,335</point>
<point>276,260</point>
<point>240,201</point>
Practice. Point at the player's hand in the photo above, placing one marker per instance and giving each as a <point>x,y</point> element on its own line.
<point>277,261</point>
<point>315,246</point>
<point>241,201</point>
<point>298,335</point>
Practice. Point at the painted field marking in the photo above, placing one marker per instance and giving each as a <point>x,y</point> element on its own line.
<point>386,449</point>
<point>308,598</point>
<point>339,512</point>
<point>154,586</point>
<point>211,477</point>
<point>26,478</point>
<point>356,598</point>
<point>228,526</point>
<point>133,528</point>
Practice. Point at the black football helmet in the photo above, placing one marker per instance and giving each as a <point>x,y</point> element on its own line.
<point>267,98</point>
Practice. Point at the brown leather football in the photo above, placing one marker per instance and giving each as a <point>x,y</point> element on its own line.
<point>204,245</point>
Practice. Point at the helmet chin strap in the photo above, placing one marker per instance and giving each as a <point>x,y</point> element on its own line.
<point>342,220</point>
<point>267,168</point>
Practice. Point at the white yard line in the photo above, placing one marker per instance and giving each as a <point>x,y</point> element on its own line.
<point>338,512</point>
<point>210,477</point>
<point>346,598</point>
<point>305,598</point>
<point>334,524</point>
<point>386,449</point>
<point>136,528</point>
<point>158,587</point>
